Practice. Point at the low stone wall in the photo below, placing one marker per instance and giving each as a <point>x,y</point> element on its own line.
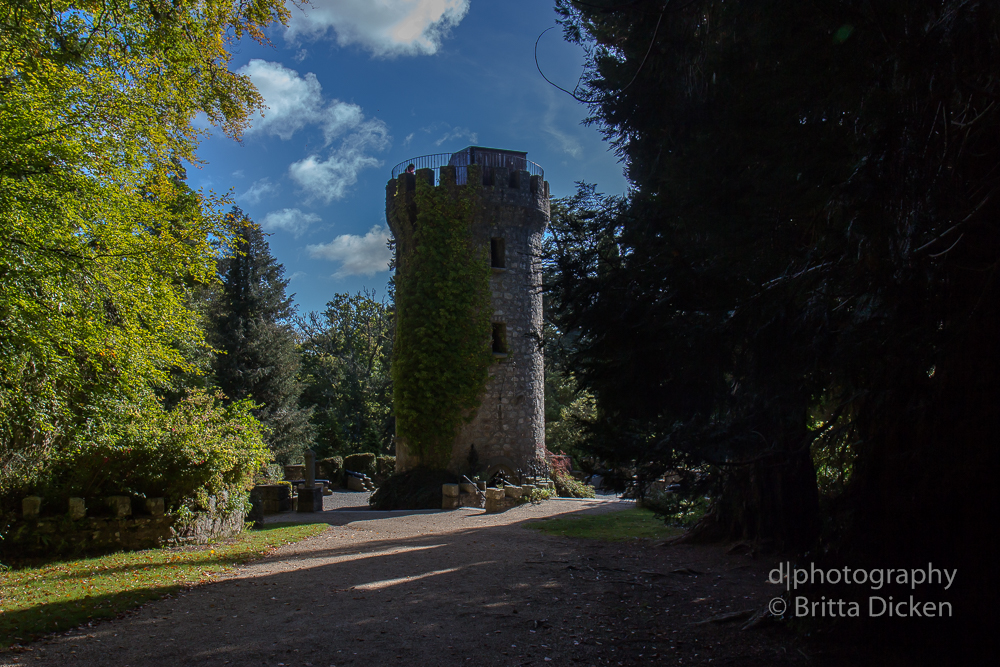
<point>273,498</point>
<point>70,534</point>
<point>491,499</point>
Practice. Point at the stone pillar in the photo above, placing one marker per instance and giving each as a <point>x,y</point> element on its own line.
<point>77,508</point>
<point>494,498</point>
<point>450,496</point>
<point>31,507</point>
<point>121,506</point>
<point>310,495</point>
<point>155,506</point>
<point>310,457</point>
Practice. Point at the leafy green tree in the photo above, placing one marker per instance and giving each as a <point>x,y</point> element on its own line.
<point>346,357</point>
<point>97,101</point>
<point>253,334</point>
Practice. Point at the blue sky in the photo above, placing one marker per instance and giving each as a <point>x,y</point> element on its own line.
<point>356,86</point>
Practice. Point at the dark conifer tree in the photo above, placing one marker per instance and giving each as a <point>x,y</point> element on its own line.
<point>805,276</point>
<point>252,330</point>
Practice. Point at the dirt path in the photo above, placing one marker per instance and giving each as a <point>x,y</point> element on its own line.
<point>458,587</point>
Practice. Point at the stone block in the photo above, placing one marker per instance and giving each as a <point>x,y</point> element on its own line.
<point>526,489</point>
<point>77,508</point>
<point>274,497</point>
<point>295,472</point>
<point>355,484</point>
<point>450,502</point>
<point>156,506</point>
<point>481,485</point>
<point>310,499</point>
<point>513,491</point>
<point>274,506</point>
<point>494,500</point>
<point>120,506</point>
<point>450,490</point>
<point>471,500</point>
<point>31,507</point>
<point>468,488</point>
<point>272,491</point>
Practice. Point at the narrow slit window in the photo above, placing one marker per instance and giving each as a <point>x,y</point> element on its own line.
<point>499,339</point>
<point>498,253</point>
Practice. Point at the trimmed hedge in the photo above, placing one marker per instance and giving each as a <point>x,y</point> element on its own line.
<point>331,469</point>
<point>386,468</point>
<point>362,463</point>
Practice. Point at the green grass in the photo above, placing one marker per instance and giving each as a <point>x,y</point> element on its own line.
<point>57,596</point>
<point>630,524</point>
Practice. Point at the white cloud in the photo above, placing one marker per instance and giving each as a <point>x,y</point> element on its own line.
<point>330,178</point>
<point>458,133</point>
<point>296,276</point>
<point>551,125</point>
<point>408,139</point>
<point>567,144</point>
<point>293,101</point>
<point>296,102</point>
<point>260,189</point>
<point>289,220</point>
<point>387,28</point>
<point>358,255</point>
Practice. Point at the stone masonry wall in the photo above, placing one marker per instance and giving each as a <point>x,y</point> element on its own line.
<point>508,429</point>
<point>61,535</point>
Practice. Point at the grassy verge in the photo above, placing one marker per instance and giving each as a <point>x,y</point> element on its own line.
<point>630,524</point>
<point>37,600</point>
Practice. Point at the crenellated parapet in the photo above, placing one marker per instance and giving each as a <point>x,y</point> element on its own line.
<point>498,186</point>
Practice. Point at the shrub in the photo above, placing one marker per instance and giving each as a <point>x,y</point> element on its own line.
<point>416,489</point>
<point>197,449</point>
<point>362,463</point>
<point>676,509</point>
<point>271,473</point>
<point>331,469</point>
<point>567,487</point>
<point>538,495</point>
<point>386,467</point>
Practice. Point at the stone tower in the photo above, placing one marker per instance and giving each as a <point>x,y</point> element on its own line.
<point>508,429</point>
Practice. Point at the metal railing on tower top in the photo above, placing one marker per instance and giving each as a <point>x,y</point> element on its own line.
<point>485,157</point>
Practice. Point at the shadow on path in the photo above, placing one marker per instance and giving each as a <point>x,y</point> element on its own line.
<point>460,587</point>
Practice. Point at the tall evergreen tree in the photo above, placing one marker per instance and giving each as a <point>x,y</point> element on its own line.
<point>807,262</point>
<point>252,330</point>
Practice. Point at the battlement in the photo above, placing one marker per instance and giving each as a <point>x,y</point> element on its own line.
<point>500,185</point>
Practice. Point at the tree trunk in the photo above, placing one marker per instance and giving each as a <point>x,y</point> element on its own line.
<point>772,500</point>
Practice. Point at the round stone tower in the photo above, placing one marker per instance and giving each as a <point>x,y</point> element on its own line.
<point>508,429</point>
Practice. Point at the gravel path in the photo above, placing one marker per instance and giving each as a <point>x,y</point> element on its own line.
<point>460,587</point>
